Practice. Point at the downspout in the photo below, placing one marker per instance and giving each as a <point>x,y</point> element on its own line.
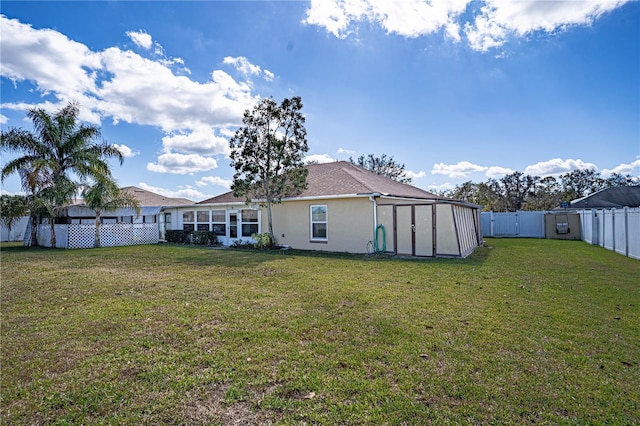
<point>372,198</point>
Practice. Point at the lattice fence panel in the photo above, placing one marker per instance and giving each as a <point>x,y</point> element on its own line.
<point>111,235</point>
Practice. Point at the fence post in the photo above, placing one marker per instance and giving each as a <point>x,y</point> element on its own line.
<point>491,217</point>
<point>595,229</point>
<point>626,232</point>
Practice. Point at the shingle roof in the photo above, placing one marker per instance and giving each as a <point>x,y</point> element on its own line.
<point>614,197</point>
<point>148,198</point>
<point>343,178</point>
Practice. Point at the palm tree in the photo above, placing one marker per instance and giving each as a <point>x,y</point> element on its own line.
<point>104,195</point>
<point>61,152</point>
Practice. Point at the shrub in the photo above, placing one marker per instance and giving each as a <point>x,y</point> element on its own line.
<point>177,236</point>
<point>262,241</point>
<point>204,237</point>
<point>192,237</point>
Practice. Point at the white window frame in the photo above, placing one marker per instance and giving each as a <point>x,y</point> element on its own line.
<point>241,222</point>
<point>325,221</point>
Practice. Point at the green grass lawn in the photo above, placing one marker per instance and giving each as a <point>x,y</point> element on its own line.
<point>524,331</point>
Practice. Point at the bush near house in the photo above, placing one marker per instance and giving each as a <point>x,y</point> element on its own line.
<point>525,331</point>
<point>191,237</point>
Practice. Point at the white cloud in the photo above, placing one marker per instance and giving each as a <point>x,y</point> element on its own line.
<point>319,158</point>
<point>496,172</point>
<point>485,28</point>
<point>499,19</point>
<point>414,175</point>
<point>442,187</point>
<point>126,151</point>
<point>557,166</point>
<point>248,69</point>
<point>459,170</point>
<point>182,163</point>
<point>624,169</point>
<point>409,18</point>
<point>201,141</point>
<point>3,119</point>
<point>215,180</point>
<point>125,86</point>
<point>346,151</point>
<point>185,192</point>
<point>141,38</point>
<point>49,59</point>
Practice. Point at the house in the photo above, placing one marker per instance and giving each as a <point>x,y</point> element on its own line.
<point>610,198</point>
<point>345,208</point>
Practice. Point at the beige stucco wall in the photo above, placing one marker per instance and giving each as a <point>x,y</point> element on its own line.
<point>349,224</point>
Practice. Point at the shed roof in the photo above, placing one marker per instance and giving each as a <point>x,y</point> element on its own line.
<point>342,178</point>
<point>614,197</point>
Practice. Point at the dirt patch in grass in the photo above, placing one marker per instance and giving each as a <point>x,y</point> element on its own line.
<point>214,406</point>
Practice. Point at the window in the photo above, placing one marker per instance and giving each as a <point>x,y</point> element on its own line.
<point>203,217</point>
<point>188,221</point>
<point>203,220</point>
<point>318,223</point>
<point>219,219</point>
<point>249,222</point>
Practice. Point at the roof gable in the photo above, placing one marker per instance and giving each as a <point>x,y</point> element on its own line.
<point>342,178</point>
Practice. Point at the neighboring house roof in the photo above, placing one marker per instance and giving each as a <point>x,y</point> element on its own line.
<point>614,197</point>
<point>84,211</point>
<point>148,198</point>
<point>343,178</point>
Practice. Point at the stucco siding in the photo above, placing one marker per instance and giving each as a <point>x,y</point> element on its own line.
<point>349,224</point>
<point>385,218</point>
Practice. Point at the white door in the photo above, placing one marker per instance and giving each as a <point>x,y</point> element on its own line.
<point>233,231</point>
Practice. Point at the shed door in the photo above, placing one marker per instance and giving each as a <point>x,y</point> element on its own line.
<point>414,230</point>
<point>423,219</point>
<point>404,230</point>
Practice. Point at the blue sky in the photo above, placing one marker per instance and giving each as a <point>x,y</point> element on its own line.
<point>456,91</point>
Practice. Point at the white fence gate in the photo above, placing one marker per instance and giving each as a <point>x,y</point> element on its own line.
<point>518,224</point>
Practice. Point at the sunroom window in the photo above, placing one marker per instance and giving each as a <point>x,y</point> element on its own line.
<point>249,222</point>
<point>188,221</point>
<point>219,222</point>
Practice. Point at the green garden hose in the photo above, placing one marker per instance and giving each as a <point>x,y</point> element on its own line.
<point>376,240</point>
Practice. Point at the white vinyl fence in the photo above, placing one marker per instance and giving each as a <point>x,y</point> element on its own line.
<point>17,230</point>
<point>615,229</point>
